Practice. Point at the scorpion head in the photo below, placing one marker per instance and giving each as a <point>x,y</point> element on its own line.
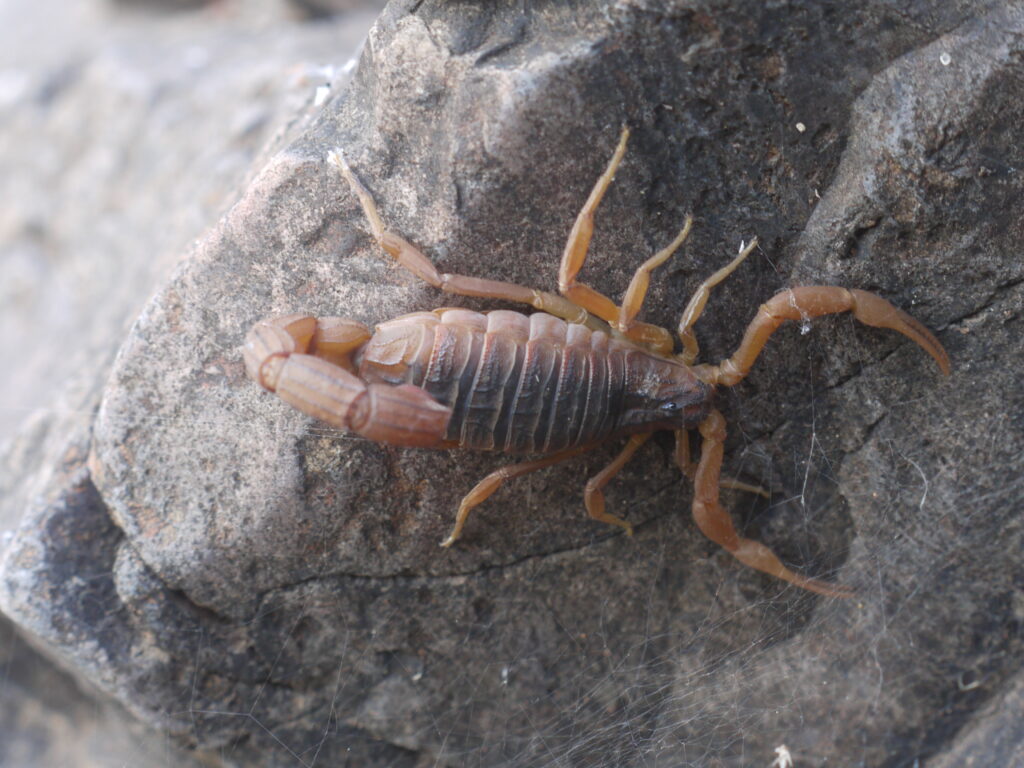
<point>668,396</point>
<point>684,411</point>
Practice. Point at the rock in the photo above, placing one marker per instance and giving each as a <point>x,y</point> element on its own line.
<point>325,8</point>
<point>994,735</point>
<point>50,718</point>
<point>261,585</point>
<point>123,138</point>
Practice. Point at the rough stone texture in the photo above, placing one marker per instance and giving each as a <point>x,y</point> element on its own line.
<point>52,718</point>
<point>995,735</point>
<point>250,582</point>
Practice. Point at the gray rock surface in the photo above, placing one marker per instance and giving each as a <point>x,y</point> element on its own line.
<point>123,138</point>
<point>271,591</point>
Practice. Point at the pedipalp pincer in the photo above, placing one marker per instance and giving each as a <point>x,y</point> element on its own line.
<point>579,370</point>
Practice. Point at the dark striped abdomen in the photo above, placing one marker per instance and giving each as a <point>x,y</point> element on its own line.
<point>516,383</point>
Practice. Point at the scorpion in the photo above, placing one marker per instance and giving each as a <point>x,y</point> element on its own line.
<point>576,372</point>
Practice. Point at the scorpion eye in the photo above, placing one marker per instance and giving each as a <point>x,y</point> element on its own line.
<point>670,407</point>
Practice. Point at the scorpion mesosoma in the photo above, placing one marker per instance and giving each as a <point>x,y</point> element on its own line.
<point>576,372</point>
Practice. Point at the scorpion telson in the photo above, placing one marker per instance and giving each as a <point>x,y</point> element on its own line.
<point>578,371</point>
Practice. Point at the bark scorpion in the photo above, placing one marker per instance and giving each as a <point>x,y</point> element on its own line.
<point>576,372</point>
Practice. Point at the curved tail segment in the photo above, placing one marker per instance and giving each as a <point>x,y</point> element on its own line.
<point>807,302</point>
<point>307,363</point>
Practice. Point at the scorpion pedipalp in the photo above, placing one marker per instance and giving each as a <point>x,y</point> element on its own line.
<point>805,303</point>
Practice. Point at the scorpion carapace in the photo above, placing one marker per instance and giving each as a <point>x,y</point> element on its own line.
<point>579,370</point>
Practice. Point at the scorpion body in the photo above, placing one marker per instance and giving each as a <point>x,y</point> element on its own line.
<point>504,381</point>
<point>578,371</point>
<point>531,384</point>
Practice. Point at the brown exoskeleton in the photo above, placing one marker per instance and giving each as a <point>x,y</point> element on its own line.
<point>576,372</point>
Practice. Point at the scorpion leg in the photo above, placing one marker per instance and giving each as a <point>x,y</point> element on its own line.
<point>493,481</point>
<point>307,363</point>
<point>413,259</point>
<point>404,252</point>
<point>622,318</point>
<point>652,336</point>
<point>699,300</point>
<point>593,494</point>
<point>813,301</point>
<point>579,242</point>
<point>716,524</point>
<point>578,304</point>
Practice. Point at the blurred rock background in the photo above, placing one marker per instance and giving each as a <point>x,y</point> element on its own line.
<point>126,129</point>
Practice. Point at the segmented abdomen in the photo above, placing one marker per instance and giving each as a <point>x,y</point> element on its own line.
<point>514,383</point>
